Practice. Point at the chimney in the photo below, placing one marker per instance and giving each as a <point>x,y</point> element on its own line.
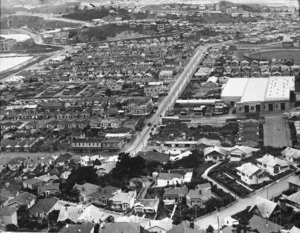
<point>192,225</point>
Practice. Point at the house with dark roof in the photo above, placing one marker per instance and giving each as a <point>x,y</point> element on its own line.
<point>118,227</point>
<point>261,225</point>
<point>43,207</point>
<point>173,195</point>
<point>33,183</point>
<point>103,194</point>
<point>186,227</point>
<point>48,189</point>
<point>63,159</point>
<point>85,190</point>
<point>154,156</point>
<point>22,199</point>
<point>264,207</point>
<point>198,196</point>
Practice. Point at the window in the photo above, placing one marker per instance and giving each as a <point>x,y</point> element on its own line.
<point>252,107</point>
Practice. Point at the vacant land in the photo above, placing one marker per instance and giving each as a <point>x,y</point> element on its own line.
<point>278,54</point>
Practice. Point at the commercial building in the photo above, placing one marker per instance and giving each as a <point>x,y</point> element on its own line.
<point>259,94</point>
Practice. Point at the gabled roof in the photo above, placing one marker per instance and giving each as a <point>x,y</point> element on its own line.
<point>124,197</point>
<point>294,180</point>
<point>121,227</point>
<point>23,198</point>
<point>219,150</point>
<point>262,226</point>
<point>147,202</point>
<point>272,161</point>
<point>107,192</point>
<point>176,191</point>
<point>33,181</point>
<point>43,205</point>
<point>164,224</point>
<point>249,169</point>
<point>295,230</point>
<point>197,194</point>
<point>87,188</point>
<point>243,149</point>
<point>265,206</point>
<point>7,211</point>
<point>295,198</point>
<point>291,152</point>
<point>63,157</point>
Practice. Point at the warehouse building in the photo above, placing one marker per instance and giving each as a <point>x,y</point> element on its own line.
<point>259,94</point>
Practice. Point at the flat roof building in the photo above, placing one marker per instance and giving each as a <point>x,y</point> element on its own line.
<point>258,94</point>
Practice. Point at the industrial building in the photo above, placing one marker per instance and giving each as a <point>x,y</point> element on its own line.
<point>259,94</point>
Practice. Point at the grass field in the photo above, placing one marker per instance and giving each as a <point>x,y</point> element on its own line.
<point>278,54</point>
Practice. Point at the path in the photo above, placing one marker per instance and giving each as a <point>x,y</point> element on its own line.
<point>205,176</point>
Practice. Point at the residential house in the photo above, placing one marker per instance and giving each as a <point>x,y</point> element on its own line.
<point>198,196</point>
<point>8,215</point>
<point>237,153</point>
<point>143,206</point>
<point>112,144</point>
<point>33,183</point>
<point>123,201</point>
<point>49,189</point>
<point>118,227</point>
<point>261,225</point>
<point>272,164</point>
<point>294,230</point>
<point>65,175</point>
<point>105,168</point>
<point>251,174</point>
<point>43,207</point>
<point>22,199</point>
<point>165,179</point>
<point>204,142</point>
<point>293,200</point>
<point>48,179</point>
<point>85,190</point>
<point>161,226</point>
<point>214,154</point>
<point>104,194</point>
<point>264,207</point>
<point>154,156</point>
<point>294,183</point>
<point>86,227</point>
<point>185,227</point>
<point>173,195</point>
<point>63,159</point>
<point>291,155</point>
<point>15,163</point>
<point>89,160</point>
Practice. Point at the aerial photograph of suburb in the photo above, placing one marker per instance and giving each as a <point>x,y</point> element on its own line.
<point>140,116</point>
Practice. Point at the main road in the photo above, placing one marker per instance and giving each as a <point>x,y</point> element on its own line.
<point>174,93</point>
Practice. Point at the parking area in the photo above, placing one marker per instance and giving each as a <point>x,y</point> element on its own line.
<point>276,132</point>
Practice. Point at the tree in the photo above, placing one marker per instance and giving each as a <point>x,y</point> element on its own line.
<point>108,92</point>
<point>210,229</point>
<point>11,227</point>
<point>110,219</point>
<point>97,162</point>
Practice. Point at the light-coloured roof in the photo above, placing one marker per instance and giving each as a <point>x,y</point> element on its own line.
<point>169,176</point>
<point>243,149</point>
<point>295,198</point>
<point>294,180</point>
<point>235,87</point>
<point>124,197</point>
<point>265,206</point>
<point>279,88</point>
<point>291,152</point>
<point>209,150</point>
<point>249,169</point>
<point>272,161</point>
<point>255,90</point>
<point>295,230</point>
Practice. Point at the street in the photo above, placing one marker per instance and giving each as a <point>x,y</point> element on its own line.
<point>174,93</point>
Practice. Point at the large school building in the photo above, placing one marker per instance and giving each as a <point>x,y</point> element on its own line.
<point>251,95</point>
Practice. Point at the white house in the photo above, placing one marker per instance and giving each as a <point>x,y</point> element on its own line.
<point>89,160</point>
<point>146,206</point>
<point>123,201</point>
<point>291,155</point>
<point>251,174</point>
<point>230,221</point>
<point>272,164</point>
<point>214,154</point>
<point>165,179</point>
<point>237,153</point>
<point>161,226</point>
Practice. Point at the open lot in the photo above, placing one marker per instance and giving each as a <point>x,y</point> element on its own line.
<point>278,54</point>
<point>276,132</point>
